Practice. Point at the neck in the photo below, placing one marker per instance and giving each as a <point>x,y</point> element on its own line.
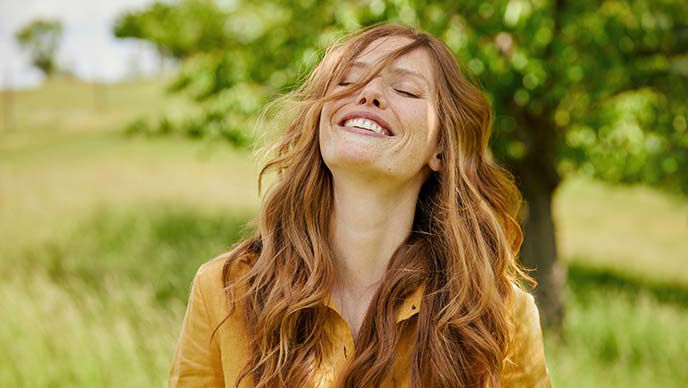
<point>369,223</point>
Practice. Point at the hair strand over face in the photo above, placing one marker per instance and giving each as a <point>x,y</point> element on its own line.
<point>463,245</point>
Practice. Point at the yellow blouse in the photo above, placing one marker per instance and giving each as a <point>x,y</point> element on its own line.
<point>199,363</point>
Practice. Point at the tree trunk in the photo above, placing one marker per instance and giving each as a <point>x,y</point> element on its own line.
<point>539,252</point>
<point>537,178</point>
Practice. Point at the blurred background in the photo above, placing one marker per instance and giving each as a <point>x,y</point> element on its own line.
<point>126,160</point>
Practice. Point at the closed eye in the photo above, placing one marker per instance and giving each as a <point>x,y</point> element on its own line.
<point>406,93</point>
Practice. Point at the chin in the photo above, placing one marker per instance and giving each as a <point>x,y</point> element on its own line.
<point>358,164</point>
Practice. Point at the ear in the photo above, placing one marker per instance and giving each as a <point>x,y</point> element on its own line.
<point>435,162</point>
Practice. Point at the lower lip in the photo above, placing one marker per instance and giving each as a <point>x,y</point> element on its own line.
<point>362,131</point>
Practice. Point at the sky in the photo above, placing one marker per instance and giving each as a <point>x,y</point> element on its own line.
<point>88,46</point>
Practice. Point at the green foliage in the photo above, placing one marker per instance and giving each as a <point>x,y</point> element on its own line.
<point>177,30</point>
<point>214,125</point>
<point>41,37</point>
<point>587,86</point>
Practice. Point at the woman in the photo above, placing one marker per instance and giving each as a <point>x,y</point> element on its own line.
<point>386,252</point>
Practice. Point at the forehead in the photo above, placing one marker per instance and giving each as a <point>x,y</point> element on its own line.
<point>417,60</point>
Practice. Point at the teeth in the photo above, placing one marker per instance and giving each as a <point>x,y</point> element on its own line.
<point>366,124</point>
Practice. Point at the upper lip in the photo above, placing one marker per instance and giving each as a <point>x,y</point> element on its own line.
<point>367,115</point>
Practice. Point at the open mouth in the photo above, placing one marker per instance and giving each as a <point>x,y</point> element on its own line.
<point>367,125</point>
<point>368,122</point>
<point>363,131</point>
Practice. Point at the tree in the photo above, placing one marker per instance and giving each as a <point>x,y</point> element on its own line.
<point>584,86</point>
<point>41,38</point>
<point>588,86</point>
<point>177,30</point>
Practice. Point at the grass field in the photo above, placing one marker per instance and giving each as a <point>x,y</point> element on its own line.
<point>101,234</point>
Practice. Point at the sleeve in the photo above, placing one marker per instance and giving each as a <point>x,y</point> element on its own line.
<point>197,361</point>
<point>525,366</point>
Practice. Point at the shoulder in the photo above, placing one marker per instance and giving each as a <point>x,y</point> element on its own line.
<point>525,318</point>
<point>213,267</point>
<point>523,306</point>
<point>210,272</point>
<point>212,345</point>
<point>210,282</point>
<point>525,364</point>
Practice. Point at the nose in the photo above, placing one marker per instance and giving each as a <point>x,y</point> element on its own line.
<point>372,94</point>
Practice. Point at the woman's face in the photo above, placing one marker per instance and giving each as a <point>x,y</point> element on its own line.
<point>399,101</point>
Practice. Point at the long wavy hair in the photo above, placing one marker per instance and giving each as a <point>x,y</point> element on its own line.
<point>463,245</point>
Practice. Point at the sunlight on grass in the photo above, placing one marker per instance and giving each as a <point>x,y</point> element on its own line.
<point>67,334</point>
<point>637,229</point>
<point>51,189</point>
<point>160,245</point>
<point>618,339</point>
<point>100,236</point>
<point>63,107</point>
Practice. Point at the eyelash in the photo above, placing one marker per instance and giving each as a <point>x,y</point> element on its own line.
<point>406,93</point>
<point>397,90</point>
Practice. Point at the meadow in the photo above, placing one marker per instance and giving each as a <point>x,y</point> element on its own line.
<point>100,236</point>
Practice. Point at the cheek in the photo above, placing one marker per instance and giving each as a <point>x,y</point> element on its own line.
<point>420,118</point>
<point>432,119</point>
<point>327,112</point>
<point>325,116</point>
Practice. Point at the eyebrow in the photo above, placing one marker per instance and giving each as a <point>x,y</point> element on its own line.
<point>398,70</point>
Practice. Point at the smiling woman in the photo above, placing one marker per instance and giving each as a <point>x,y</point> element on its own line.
<point>386,252</point>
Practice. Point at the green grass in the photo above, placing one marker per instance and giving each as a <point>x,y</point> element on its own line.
<point>620,331</point>
<point>635,228</point>
<point>52,189</point>
<point>63,107</point>
<point>66,334</point>
<point>101,234</point>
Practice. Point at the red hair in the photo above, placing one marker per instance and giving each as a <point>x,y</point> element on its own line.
<point>464,243</point>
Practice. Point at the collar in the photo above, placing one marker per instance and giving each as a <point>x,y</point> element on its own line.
<point>407,309</point>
